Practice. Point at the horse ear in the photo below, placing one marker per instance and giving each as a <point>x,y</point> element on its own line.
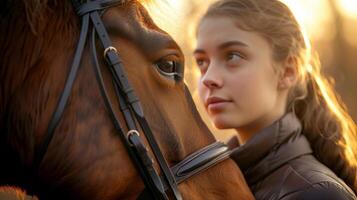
<point>288,74</point>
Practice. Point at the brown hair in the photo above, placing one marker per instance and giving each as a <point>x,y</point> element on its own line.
<point>327,125</point>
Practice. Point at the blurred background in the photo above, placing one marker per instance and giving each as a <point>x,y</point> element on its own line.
<point>330,24</point>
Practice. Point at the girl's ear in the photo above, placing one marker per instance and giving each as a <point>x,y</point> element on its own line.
<point>288,74</point>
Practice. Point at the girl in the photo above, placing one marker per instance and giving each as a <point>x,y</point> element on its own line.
<point>259,77</point>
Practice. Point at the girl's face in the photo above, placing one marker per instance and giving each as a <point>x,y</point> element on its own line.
<point>239,79</point>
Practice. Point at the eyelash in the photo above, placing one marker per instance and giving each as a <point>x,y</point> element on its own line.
<point>231,54</point>
<point>202,63</point>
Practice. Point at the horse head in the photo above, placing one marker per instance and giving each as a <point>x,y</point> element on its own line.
<point>85,158</point>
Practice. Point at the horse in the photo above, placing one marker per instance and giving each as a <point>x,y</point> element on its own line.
<point>84,158</point>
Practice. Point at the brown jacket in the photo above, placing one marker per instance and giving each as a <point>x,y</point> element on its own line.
<point>278,164</point>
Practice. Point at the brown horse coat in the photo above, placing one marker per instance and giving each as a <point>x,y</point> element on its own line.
<point>86,159</point>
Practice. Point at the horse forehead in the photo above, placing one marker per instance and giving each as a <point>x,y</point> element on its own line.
<point>134,24</point>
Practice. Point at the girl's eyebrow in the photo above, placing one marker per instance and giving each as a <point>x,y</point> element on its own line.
<point>198,51</point>
<point>232,43</point>
<point>223,46</point>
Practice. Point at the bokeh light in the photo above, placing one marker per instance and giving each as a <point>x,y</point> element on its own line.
<point>348,8</point>
<point>305,12</point>
<point>168,15</point>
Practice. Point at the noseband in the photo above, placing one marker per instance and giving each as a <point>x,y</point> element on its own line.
<point>155,186</point>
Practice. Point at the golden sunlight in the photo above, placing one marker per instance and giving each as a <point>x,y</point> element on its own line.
<point>349,10</point>
<point>167,14</point>
<point>305,12</point>
<point>348,7</point>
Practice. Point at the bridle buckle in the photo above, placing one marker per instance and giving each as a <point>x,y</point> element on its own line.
<point>130,133</point>
<point>110,48</point>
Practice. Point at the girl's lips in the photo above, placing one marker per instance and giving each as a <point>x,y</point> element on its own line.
<point>218,106</point>
<point>216,103</point>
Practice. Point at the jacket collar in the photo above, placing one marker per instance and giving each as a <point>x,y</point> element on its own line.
<point>271,148</point>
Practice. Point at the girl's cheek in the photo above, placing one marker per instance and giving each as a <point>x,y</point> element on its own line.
<point>201,91</point>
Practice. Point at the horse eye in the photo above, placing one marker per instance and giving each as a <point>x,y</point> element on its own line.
<point>169,68</point>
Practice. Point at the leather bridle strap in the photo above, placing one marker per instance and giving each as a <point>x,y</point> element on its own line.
<point>57,115</point>
<point>193,164</point>
<point>136,150</point>
<point>200,160</point>
<point>196,163</point>
<point>122,83</point>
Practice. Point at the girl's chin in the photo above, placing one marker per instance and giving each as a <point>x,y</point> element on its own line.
<point>221,123</point>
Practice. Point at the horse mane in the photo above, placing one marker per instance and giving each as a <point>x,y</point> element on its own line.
<point>36,10</point>
<point>27,31</point>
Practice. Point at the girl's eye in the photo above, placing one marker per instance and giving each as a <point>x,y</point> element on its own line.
<point>202,64</point>
<point>234,57</point>
<point>199,62</point>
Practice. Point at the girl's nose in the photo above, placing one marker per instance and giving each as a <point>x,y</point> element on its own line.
<point>210,83</point>
<point>213,77</point>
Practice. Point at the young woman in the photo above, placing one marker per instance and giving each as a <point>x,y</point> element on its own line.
<point>259,77</point>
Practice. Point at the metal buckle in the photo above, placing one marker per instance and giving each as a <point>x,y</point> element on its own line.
<point>131,132</point>
<point>110,48</point>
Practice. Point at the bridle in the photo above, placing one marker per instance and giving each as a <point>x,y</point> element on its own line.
<point>155,185</point>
